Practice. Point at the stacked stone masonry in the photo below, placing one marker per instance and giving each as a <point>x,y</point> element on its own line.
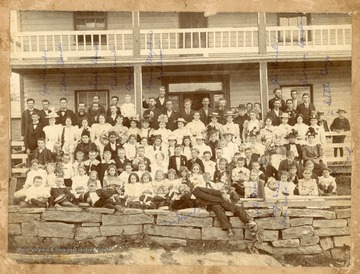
<point>296,231</point>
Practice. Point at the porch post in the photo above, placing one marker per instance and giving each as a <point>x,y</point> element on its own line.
<point>136,33</point>
<point>263,71</point>
<point>138,89</point>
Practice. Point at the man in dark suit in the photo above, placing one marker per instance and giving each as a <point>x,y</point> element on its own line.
<point>177,160</point>
<point>250,158</point>
<point>114,102</point>
<point>306,108</point>
<point>295,100</point>
<point>33,132</point>
<point>205,111</point>
<point>241,118</point>
<point>44,112</point>
<point>221,110</point>
<point>277,96</point>
<point>152,113</point>
<point>111,118</point>
<point>195,159</point>
<point>121,160</point>
<point>159,101</point>
<point>81,114</point>
<point>187,113</point>
<point>26,115</point>
<point>275,113</point>
<point>172,116</point>
<point>64,112</point>
<point>291,112</point>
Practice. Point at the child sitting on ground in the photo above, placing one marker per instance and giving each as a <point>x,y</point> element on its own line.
<point>50,178</point>
<point>80,182</point>
<point>37,194</point>
<point>106,198</point>
<point>61,195</point>
<point>327,184</point>
<point>307,186</point>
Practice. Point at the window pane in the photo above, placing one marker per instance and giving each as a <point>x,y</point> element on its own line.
<point>189,87</point>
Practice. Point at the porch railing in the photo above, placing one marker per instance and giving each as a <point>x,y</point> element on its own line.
<point>308,38</point>
<point>203,41</point>
<point>67,44</point>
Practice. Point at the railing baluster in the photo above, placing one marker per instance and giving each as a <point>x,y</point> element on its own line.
<point>328,37</point>
<point>107,42</point>
<point>244,35</point>
<point>199,39</point>
<point>291,37</point>
<point>61,41</point>
<point>221,39</point>
<point>37,43</point>
<point>252,38</point>
<point>321,37</point>
<point>336,37</point>
<point>214,40</point>
<point>53,42</point>
<point>161,40</point>
<point>30,44</point>
<point>122,42</point>
<point>45,37</point>
<point>191,39</point>
<point>92,41</point>
<point>168,37</point>
<point>229,35</point>
<point>184,37</point>
<point>84,37</point>
<point>69,43</point>
<point>77,42</point>
<point>176,40</point>
<point>115,40</point>
<point>284,38</point>
<point>99,42</point>
<point>22,43</point>
<point>237,38</point>
<point>343,31</point>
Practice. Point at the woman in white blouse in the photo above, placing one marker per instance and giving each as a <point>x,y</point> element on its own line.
<point>68,136</point>
<point>101,128</point>
<point>52,131</point>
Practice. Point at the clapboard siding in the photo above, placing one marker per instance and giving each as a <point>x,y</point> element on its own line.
<point>46,21</point>
<point>159,20</point>
<point>339,79</point>
<point>232,20</point>
<point>33,86</point>
<point>119,20</point>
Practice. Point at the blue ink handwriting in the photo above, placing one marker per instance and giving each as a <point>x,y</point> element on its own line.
<point>95,82</point>
<point>43,75</point>
<point>114,83</point>
<point>128,83</point>
<point>182,217</point>
<point>276,64</point>
<point>61,63</point>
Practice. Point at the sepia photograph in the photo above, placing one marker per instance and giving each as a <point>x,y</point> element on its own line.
<point>180,138</point>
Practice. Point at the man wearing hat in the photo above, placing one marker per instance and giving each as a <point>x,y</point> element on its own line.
<point>241,118</point>
<point>205,111</point>
<point>171,114</point>
<point>340,124</point>
<point>214,125</point>
<point>232,127</point>
<point>275,113</point>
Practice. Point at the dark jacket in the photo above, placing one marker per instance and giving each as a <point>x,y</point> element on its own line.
<point>172,124</point>
<point>306,112</point>
<point>276,119</point>
<point>32,135</point>
<point>206,119</point>
<point>68,113</point>
<point>172,162</point>
<point>26,120</point>
<point>192,161</point>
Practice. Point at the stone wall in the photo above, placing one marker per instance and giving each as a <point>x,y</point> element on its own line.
<point>298,231</point>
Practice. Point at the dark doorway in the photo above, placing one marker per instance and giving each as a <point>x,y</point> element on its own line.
<point>190,20</point>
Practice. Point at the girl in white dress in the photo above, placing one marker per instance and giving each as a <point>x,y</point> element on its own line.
<point>181,131</point>
<point>302,129</point>
<point>52,131</point>
<point>119,127</point>
<point>163,131</point>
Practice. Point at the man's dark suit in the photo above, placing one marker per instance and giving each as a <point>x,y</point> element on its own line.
<point>32,135</point>
<point>188,117</point>
<point>206,119</point>
<point>43,114</point>
<point>26,120</point>
<point>113,152</point>
<point>120,164</point>
<point>68,113</point>
<point>154,120</point>
<point>285,165</point>
<point>191,162</point>
<point>110,120</point>
<point>305,112</point>
<point>172,124</point>
<point>276,119</point>
<point>158,104</point>
<point>172,162</point>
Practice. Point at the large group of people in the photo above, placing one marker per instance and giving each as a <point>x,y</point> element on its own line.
<point>210,157</point>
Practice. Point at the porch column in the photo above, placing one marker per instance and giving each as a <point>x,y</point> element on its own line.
<point>264,89</point>
<point>263,71</point>
<point>138,89</point>
<point>136,33</point>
